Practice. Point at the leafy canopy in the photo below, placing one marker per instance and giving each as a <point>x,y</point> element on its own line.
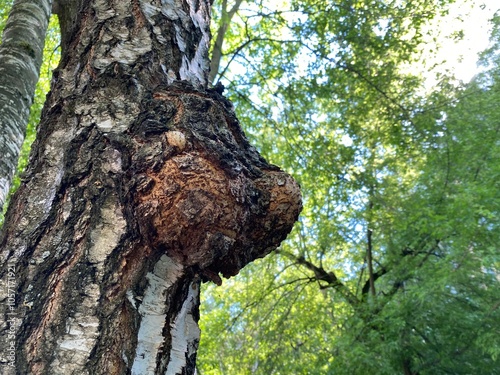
<point>393,267</point>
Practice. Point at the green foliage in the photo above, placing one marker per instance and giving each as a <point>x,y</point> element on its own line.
<point>5,6</point>
<point>410,179</point>
<point>265,324</point>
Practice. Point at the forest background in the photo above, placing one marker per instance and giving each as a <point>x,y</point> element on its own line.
<point>394,264</point>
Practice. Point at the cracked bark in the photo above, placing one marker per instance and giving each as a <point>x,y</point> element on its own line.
<point>141,184</point>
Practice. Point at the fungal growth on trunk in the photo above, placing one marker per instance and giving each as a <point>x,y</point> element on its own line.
<point>208,199</point>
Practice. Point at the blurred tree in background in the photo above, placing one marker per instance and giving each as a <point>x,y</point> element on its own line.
<point>51,56</point>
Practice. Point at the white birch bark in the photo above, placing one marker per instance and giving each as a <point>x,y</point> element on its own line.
<point>141,184</point>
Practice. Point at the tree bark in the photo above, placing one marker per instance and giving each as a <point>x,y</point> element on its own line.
<point>141,184</point>
<point>21,55</point>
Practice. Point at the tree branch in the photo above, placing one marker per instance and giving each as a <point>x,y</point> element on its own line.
<point>321,274</point>
<point>219,40</point>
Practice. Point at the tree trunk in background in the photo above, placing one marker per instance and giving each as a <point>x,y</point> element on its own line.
<point>140,185</point>
<point>21,55</point>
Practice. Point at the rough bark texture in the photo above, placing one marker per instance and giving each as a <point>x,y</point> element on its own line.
<point>21,54</point>
<point>141,184</point>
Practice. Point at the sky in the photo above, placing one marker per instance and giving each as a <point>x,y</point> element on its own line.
<point>461,57</point>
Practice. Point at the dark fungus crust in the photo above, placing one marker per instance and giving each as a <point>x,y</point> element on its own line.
<point>204,195</point>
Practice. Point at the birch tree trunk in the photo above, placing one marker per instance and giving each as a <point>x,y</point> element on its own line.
<point>141,184</point>
<point>21,55</point>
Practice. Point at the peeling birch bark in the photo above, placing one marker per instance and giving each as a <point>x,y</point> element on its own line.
<point>141,185</point>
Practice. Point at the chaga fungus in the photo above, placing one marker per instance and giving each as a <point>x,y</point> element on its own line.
<point>214,204</point>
